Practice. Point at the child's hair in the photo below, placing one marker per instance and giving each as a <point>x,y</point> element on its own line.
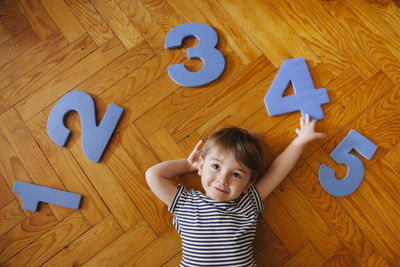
<point>246,147</point>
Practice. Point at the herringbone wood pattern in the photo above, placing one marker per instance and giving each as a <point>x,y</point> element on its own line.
<point>114,50</point>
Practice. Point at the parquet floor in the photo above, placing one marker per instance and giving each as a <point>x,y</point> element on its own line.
<point>114,50</point>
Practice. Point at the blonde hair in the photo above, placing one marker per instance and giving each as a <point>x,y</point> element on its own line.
<point>246,147</point>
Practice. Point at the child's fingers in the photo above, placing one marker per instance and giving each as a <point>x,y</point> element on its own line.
<point>197,147</point>
<point>307,118</point>
<point>301,122</point>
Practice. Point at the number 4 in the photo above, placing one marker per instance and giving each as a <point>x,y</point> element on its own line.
<point>307,98</point>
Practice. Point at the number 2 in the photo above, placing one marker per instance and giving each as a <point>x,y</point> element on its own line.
<point>307,99</point>
<point>341,154</point>
<point>94,138</point>
<point>213,60</point>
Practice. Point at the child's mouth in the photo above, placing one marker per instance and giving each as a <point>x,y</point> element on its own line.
<point>220,190</point>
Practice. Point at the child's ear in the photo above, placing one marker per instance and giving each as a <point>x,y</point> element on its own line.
<point>246,189</point>
<point>199,171</point>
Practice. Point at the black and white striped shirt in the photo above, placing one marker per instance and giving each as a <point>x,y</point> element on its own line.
<point>216,233</point>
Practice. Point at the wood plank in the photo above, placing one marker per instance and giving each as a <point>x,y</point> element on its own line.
<point>88,244</point>
<point>167,246</point>
<point>366,37</point>
<point>388,11</point>
<point>341,258</point>
<point>274,39</point>
<point>388,177</point>
<point>120,250</point>
<point>235,114</point>
<point>31,59</point>
<point>10,215</point>
<point>38,18</point>
<point>17,45</point>
<point>392,157</point>
<point>64,19</point>
<point>119,23</point>
<point>117,70</point>
<point>175,261</point>
<point>308,256</point>
<point>25,233</point>
<point>11,169</point>
<point>69,79</point>
<point>283,225</point>
<point>273,252</point>
<point>133,141</point>
<point>307,218</point>
<point>51,242</point>
<point>320,42</point>
<point>381,236</point>
<point>5,35</point>
<point>375,260</point>
<point>134,182</point>
<point>5,193</point>
<point>229,29</point>
<point>383,30</point>
<point>385,207</point>
<point>40,75</point>
<point>91,20</point>
<point>141,18</point>
<point>12,18</point>
<point>163,13</point>
<point>68,170</point>
<point>31,156</point>
<point>338,220</point>
<point>324,34</point>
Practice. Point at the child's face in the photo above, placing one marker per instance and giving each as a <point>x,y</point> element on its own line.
<point>223,177</point>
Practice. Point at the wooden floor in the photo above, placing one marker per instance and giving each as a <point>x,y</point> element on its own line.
<point>114,50</point>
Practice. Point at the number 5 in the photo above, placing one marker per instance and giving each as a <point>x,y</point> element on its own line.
<point>94,138</point>
<point>214,61</point>
<point>341,154</point>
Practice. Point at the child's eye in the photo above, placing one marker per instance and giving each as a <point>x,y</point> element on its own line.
<point>215,166</point>
<point>236,175</point>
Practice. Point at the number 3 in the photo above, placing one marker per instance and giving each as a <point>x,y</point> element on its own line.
<point>94,138</point>
<point>214,61</point>
<point>341,154</point>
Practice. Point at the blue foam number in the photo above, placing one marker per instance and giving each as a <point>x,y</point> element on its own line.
<point>355,173</point>
<point>94,138</point>
<point>307,98</point>
<point>33,194</point>
<point>214,61</point>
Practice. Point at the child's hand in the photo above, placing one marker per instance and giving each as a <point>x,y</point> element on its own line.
<point>306,133</point>
<point>194,157</point>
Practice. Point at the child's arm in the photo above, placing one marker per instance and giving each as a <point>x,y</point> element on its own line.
<point>159,176</point>
<point>282,164</point>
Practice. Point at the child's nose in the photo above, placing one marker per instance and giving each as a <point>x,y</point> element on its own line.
<point>223,178</point>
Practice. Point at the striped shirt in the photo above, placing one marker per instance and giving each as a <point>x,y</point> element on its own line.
<point>216,233</point>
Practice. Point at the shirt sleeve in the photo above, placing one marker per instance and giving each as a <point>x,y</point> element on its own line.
<point>178,194</point>
<point>257,199</point>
